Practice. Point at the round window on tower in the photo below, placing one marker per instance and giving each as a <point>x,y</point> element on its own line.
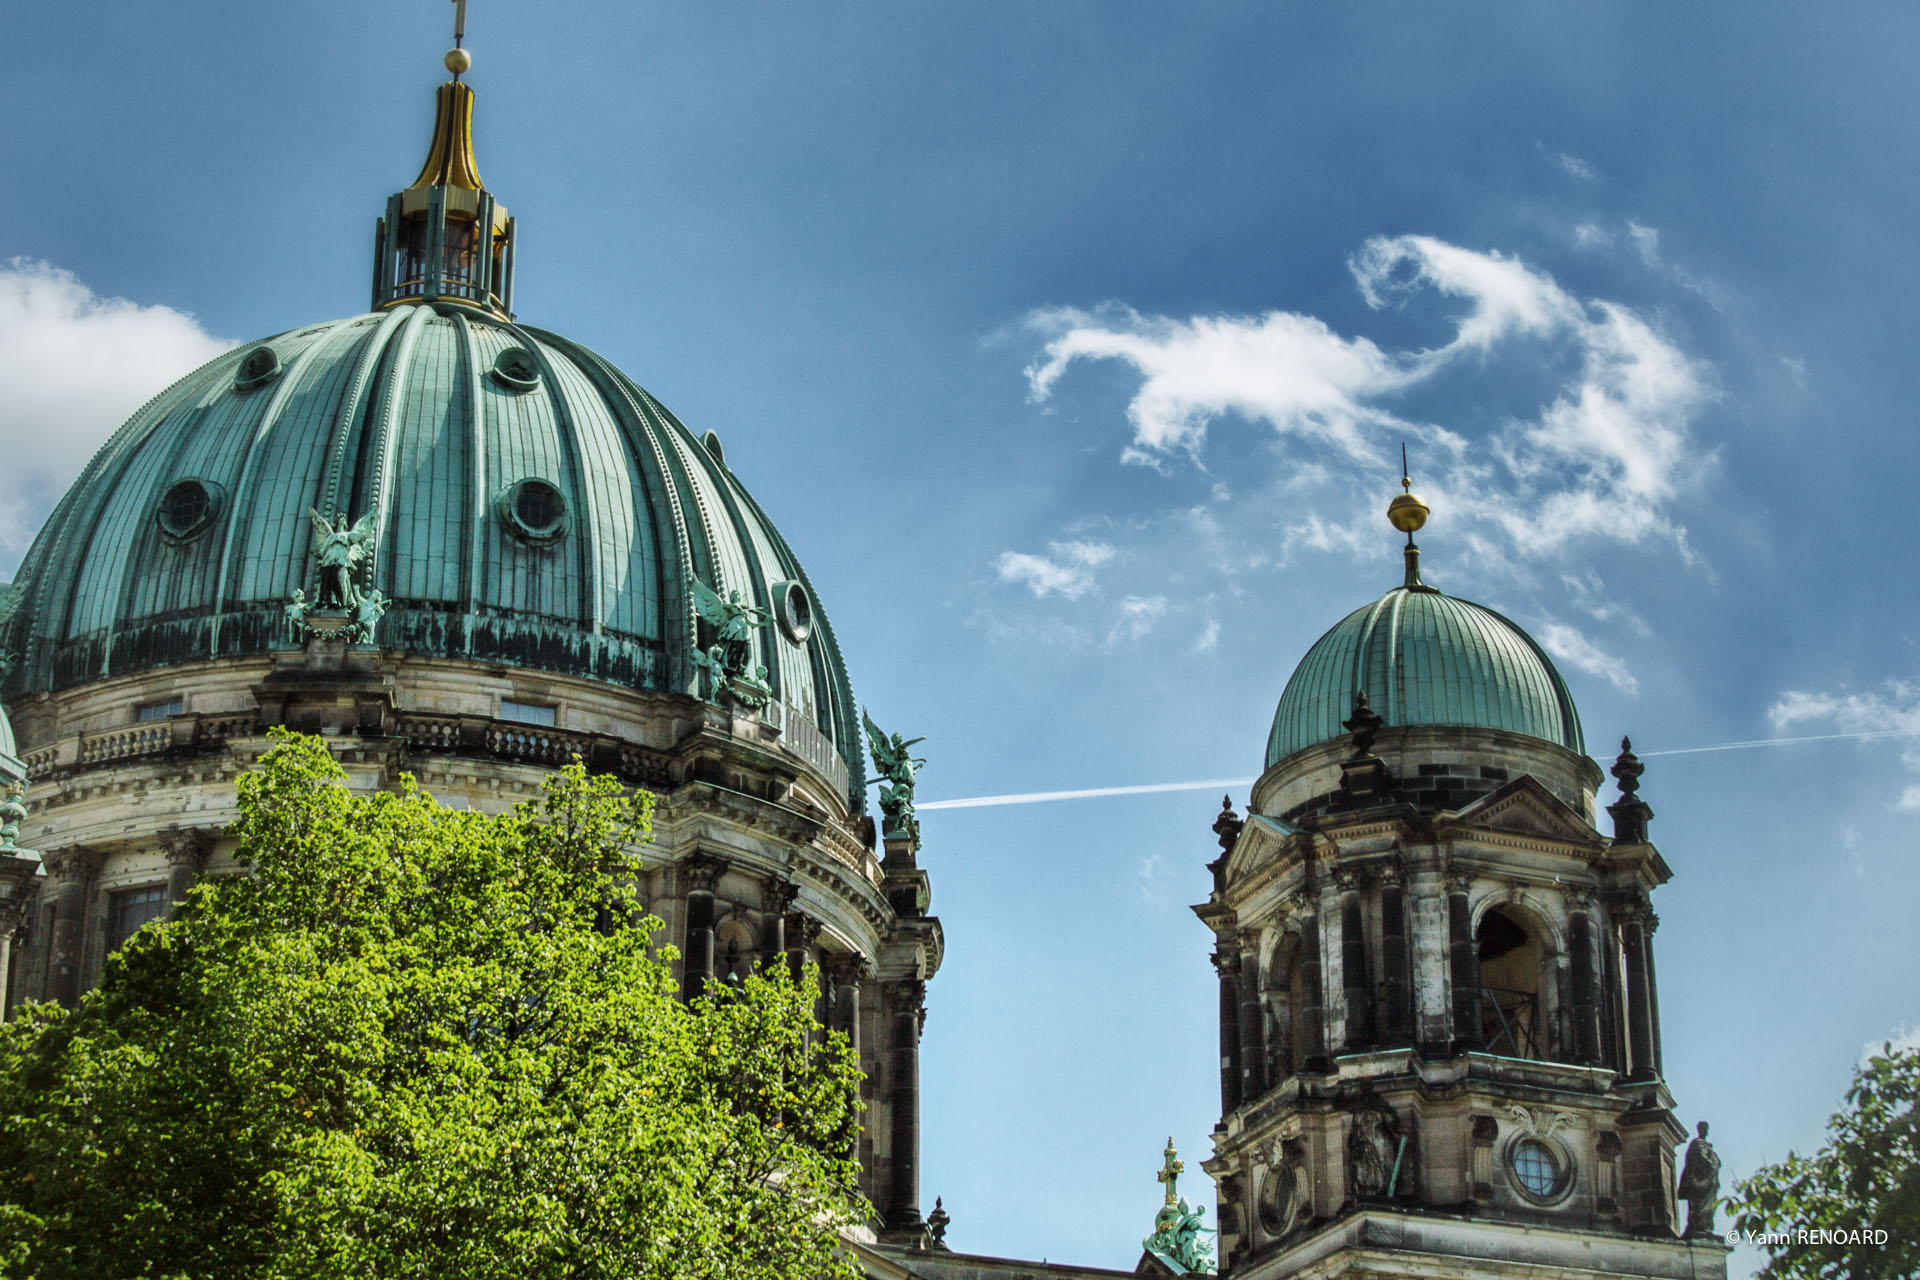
<point>1536,1169</point>
<point>796,611</point>
<point>535,511</point>
<point>187,508</point>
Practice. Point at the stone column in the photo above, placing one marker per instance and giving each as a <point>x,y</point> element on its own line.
<point>847,971</point>
<point>1653,998</point>
<point>778,899</point>
<point>1313,1009</point>
<point>1253,1023</point>
<point>906,1006</point>
<point>1353,967</point>
<point>186,852</point>
<point>1226,963</point>
<point>72,871</point>
<point>1642,1063</point>
<point>802,931</point>
<point>1464,966</point>
<point>1396,992</point>
<point>702,874</point>
<point>1583,941</point>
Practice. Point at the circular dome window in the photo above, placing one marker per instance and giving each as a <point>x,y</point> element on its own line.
<point>187,508</point>
<point>516,369</point>
<point>1536,1168</point>
<point>262,365</point>
<point>535,511</point>
<point>795,610</point>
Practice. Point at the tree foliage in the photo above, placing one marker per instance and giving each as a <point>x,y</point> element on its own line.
<point>1851,1211</point>
<point>416,1041</point>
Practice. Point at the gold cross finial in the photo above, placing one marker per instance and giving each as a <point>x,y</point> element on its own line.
<point>1170,1171</point>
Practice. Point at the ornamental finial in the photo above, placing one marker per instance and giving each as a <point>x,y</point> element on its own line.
<point>1170,1170</point>
<point>1407,513</point>
<point>459,61</point>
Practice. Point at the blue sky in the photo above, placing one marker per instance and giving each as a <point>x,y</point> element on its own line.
<point>1071,344</point>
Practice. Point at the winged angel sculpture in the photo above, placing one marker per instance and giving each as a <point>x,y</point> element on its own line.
<point>892,756</point>
<point>341,551</point>
<point>728,661</point>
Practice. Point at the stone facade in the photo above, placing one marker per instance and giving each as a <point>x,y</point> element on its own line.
<point>756,857</point>
<point>1440,1039</point>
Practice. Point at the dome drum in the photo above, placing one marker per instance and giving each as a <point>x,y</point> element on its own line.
<point>1436,768</point>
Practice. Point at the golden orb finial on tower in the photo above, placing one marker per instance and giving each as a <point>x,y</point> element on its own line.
<point>1406,512</point>
<point>459,61</point>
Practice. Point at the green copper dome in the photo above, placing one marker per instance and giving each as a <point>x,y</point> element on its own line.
<point>529,504</point>
<point>1425,658</point>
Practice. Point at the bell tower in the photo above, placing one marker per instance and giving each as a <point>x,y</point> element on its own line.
<point>1439,1026</point>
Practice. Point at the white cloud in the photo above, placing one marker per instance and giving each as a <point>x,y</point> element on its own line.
<point>1572,646</point>
<point>1603,456</point>
<point>1574,167</point>
<point>1066,571</point>
<point>1138,615</point>
<point>1892,708</point>
<point>75,365</point>
<point>1591,235</point>
<point>1209,637</point>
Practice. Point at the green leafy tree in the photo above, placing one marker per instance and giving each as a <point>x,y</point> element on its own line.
<point>417,1041</point>
<point>1851,1211</point>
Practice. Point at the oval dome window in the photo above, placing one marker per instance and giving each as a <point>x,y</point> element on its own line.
<point>516,369</point>
<point>187,508</point>
<point>536,511</point>
<point>262,365</point>
<point>795,610</point>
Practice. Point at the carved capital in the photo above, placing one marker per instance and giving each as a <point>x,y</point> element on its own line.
<point>778,895</point>
<point>1581,898</point>
<point>1226,961</point>
<point>74,864</point>
<point>702,872</point>
<point>1347,880</point>
<point>849,968</point>
<point>187,847</point>
<point>906,995</point>
<point>802,929</point>
<point>1459,880</point>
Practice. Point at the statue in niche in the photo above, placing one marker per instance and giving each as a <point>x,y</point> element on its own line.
<point>728,661</point>
<point>1380,1152</point>
<point>1700,1184</point>
<point>898,766</point>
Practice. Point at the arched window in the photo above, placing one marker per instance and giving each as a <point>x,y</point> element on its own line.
<point>1513,1020</point>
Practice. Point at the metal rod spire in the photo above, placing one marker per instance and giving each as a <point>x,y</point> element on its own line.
<point>459,22</point>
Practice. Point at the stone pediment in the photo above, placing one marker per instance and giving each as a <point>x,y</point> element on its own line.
<point>1525,807</point>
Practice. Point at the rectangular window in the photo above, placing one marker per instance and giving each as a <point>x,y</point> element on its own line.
<point>132,908</point>
<point>159,710</point>
<point>528,712</point>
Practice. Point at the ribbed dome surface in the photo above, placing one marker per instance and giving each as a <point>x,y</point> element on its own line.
<point>532,507</point>
<point>1425,658</point>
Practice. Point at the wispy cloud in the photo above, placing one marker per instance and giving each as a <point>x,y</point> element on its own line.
<point>1209,637</point>
<point>1574,167</point>
<point>75,365</point>
<point>1571,645</point>
<point>1603,456</point>
<point>1137,617</point>
<point>1893,709</point>
<point>1066,569</point>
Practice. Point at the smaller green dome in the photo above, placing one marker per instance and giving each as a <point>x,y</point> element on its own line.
<point>1425,658</point>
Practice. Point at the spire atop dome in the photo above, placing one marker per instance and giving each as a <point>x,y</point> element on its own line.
<point>445,238</point>
<point>1407,513</point>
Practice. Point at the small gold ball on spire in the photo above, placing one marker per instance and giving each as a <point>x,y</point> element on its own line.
<point>1406,512</point>
<point>459,61</point>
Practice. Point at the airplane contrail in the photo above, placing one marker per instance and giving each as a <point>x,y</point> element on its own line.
<point>1151,788</point>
